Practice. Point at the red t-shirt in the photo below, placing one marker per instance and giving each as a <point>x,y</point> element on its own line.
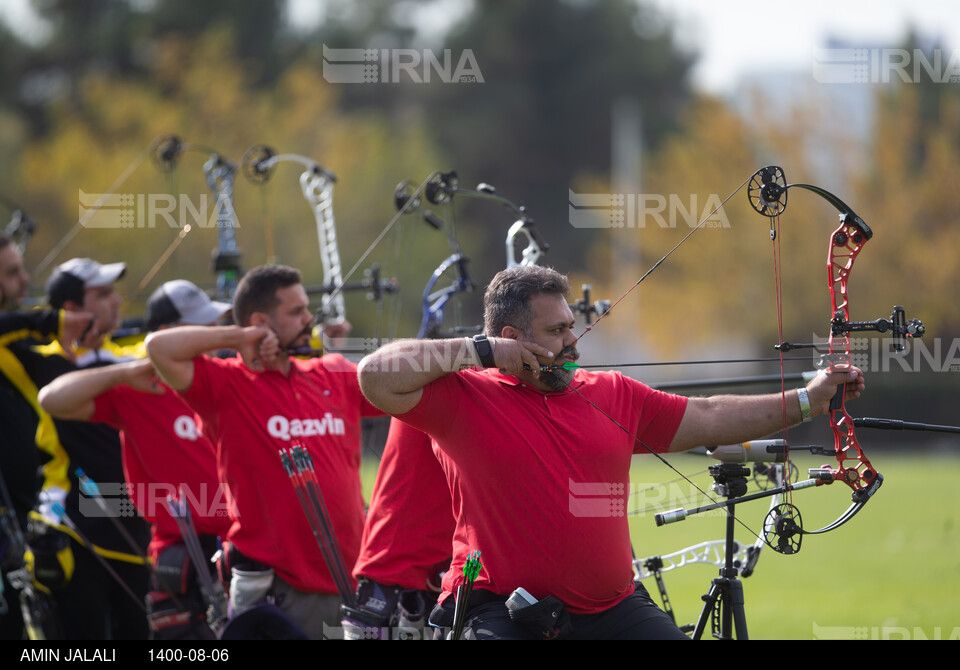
<point>164,452</point>
<point>539,481</point>
<point>408,534</point>
<point>251,416</point>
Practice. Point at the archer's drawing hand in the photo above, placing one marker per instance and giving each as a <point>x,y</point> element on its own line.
<point>514,356</point>
<point>259,348</point>
<point>142,376</point>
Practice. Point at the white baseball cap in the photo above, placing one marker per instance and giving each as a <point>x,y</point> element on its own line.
<point>69,280</point>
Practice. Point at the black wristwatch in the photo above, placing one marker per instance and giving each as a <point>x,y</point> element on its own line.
<point>484,350</point>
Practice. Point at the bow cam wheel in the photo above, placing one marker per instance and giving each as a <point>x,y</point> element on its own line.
<point>783,529</point>
<point>256,163</point>
<point>166,151</point>
<point>767,191</point>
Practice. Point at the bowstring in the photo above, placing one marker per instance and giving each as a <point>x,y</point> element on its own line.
<point>665,257</point>
<point>778,296</point>
<point>725,508</point>
<point>646,274</point>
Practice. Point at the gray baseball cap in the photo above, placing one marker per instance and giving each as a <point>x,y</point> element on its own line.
<point>180,301</point>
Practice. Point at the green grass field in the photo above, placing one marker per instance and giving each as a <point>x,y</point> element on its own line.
<point>893,572</point>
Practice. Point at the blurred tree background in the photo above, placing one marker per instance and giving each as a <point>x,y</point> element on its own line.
<point>574,96</point>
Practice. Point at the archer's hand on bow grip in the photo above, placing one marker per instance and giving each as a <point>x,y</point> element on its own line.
<point>337,332</point>
<point>831,385</point>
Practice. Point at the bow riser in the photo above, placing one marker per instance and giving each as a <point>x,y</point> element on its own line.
<point>846,242</point>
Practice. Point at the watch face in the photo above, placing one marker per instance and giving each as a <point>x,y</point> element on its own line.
<point>484,350</point>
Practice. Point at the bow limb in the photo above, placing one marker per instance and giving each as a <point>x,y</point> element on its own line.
<point>523,229</point>
<point>434,302</point>
<point>443,186</point>
<point>316,184</point>
<point>439,189</point>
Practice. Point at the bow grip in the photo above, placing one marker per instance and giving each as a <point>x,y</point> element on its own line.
<point>837,401</point>
<point>834,363</point>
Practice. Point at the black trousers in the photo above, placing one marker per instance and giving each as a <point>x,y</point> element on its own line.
<point>636,617</point>
<point>11,621</point>
<point>95,607</point>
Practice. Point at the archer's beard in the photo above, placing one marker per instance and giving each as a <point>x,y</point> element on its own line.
<point>301,340</point>
<point>559,380</point>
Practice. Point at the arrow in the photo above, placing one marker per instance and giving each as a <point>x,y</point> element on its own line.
<point>471,569</point>
<point>299,467</point>
<point>213,592</point>
<point>570,365</point>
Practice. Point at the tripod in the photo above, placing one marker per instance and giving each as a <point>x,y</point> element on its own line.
<point>723,603</point>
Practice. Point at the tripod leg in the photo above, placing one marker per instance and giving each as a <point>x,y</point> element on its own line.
<point>724,600</point>
<point>709,603</point>
<point>736,604</point>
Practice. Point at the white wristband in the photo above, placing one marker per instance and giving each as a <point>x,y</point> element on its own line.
<point>805,412</point>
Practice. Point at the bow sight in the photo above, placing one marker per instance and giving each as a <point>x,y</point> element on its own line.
<point>898,326</point>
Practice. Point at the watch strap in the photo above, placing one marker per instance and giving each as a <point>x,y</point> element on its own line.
<point>484,349</point>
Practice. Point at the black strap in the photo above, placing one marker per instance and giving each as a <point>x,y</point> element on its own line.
<point>484,350</point>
